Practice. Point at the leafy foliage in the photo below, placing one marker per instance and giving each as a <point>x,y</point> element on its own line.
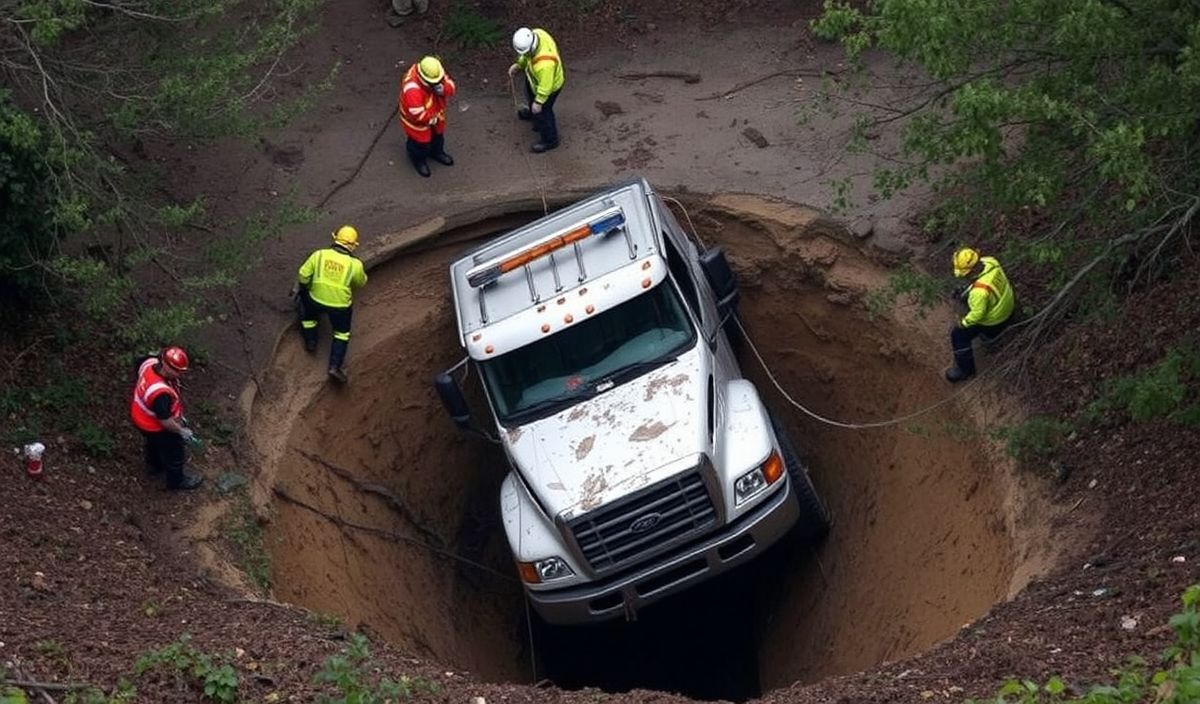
<point>350,674</point>
<point>1176,682</point>
<point>907,282</point>
<point>246,534</point>
<point>87,81</point>
<point>217,679</point>
<point>472,30</point>
<point>1034,439</point>
<point>1167,389</point>
<point>59,402</point>
<point>1079,116</point>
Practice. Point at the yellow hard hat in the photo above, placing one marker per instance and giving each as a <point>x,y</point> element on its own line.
<point>965,260</point>
<point>346,236</point>
<point>431,70</point>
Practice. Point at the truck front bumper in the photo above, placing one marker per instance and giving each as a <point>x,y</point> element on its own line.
<point>707,557</point>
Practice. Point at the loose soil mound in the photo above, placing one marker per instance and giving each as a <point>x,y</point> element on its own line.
<point>384,515</point>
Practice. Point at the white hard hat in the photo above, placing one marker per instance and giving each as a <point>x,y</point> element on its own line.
<point>523,40</point>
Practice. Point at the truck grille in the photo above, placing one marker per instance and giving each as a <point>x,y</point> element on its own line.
<point>648,521</point>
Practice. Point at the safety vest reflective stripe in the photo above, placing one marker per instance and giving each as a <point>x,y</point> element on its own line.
<point>144,392</point>
<point>985,287</point>
<point>412,124</point>
<point>149,393</point>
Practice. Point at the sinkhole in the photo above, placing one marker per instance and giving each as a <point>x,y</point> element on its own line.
<point>373,489</point>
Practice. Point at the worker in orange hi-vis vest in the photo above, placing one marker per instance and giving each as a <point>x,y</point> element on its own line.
<point>424,92</point>
<point>157,411</point>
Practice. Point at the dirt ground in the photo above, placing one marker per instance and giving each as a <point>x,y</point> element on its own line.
<point>948,570</point>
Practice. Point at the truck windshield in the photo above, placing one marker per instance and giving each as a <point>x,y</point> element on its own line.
<point>614,346</point>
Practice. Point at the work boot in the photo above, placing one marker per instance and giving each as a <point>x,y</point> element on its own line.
<point>524,114</point>
<point>310,339</point>
<point>152,470</point>
<point>338,375</point>
<point>955,375</point>
<point>422,168</point>
<point>443,158</point>
<point>540,147</point>
<point>190,481</point>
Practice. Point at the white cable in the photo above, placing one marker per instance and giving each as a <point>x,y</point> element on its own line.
<point>810,413</point>
<point>842,424</point>
<point>688,217</point>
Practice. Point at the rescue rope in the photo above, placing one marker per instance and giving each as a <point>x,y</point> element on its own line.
<point>512,90</point>
<point>801,407</point>
<point>843,424</point>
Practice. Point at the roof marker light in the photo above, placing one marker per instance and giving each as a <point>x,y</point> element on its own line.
<point>492,270</point>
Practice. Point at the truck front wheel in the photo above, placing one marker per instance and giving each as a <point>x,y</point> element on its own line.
<point>815,517</point>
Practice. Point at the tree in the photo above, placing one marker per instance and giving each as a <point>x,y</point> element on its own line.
<point>90,79</point>
<point>1085,112</point>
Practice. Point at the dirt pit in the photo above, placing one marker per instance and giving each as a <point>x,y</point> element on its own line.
<point>383,515</point>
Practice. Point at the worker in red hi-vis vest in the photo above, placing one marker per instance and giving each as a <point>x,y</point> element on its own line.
<point>157,411</point>
<point>424,92</point>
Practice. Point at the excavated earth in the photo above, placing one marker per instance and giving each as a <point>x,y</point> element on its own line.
<point>384,515</point>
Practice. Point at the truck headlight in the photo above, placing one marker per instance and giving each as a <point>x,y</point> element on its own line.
<point>753,483</point>
<point>546,570</point>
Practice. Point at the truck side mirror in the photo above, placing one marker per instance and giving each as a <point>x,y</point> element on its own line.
<point>452,398</point>
<point>721,278</point>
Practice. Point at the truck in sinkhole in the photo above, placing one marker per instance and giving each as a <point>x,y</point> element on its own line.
<point>641,461</point>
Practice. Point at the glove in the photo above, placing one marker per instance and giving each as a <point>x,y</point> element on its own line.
<point>512,70</point>
<point>535,108</point>
<point>295,291</point>
<point>187,435</point>
<point>439,89</point>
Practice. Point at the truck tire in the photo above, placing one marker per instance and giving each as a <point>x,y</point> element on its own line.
<point>815,517</point>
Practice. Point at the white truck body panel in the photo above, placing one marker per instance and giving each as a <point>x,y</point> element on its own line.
<point>632,488</point>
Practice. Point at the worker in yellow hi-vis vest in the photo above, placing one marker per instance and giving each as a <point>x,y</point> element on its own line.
<point>990,302</point>
<point>326,284</point>
<point>538,55</point>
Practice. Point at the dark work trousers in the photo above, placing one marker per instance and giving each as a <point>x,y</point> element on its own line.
<point>419,152</point>
<point>339,320</point>
<point>961,338</point>
<point>544,122</point>
<point>165,453</point>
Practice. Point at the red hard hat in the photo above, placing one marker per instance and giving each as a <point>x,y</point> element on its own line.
<point>175,358</point>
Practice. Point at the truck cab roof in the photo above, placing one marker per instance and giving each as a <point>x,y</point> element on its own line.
<point>558,269</point>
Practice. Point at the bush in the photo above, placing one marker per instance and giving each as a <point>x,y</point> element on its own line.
<point>472,30</point>
<point>350,674</point>
<point>1164,390</point>
<point>27,231</point>
<point>1176,682</point>
<point>1035,439</point>
<point>215,676</point>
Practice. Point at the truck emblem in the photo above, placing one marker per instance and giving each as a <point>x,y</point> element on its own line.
<point>645,523</point>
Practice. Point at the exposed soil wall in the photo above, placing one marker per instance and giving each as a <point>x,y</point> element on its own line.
<point>926,533</point>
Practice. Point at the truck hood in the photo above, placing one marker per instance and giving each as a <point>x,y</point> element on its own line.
<point>615,443</point>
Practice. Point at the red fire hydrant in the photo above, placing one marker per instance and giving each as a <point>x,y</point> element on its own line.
<point>33,460</point>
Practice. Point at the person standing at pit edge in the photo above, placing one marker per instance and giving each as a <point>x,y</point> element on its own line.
<point>325,284</point>
<point>538,55</point>
<point>990,301</point>
<point>157,411</point>
<point>424,93</point>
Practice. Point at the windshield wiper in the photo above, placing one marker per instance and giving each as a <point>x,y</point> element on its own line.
<point>632,370</point>
<point>554,402</point>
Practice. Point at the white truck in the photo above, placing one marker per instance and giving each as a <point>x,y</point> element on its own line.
<point>641,461</point>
